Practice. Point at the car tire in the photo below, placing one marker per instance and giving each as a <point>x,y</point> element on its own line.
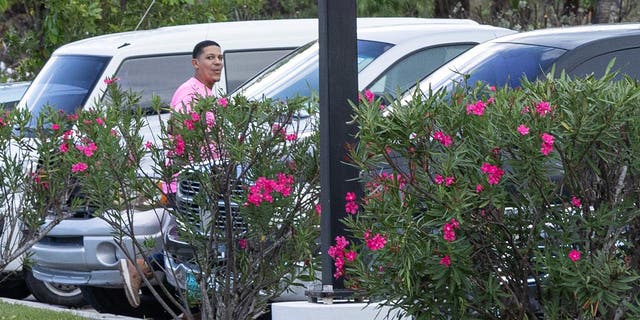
<point>53,293</point>
<point>14,287</point>
<point>114,301</point>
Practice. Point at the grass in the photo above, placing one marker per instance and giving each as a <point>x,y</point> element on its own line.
<point>9,311</point>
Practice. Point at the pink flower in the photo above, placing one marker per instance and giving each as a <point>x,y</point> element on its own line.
<point>523,130</point>
<point>368,95</point>
<point>492,88</point>
<point>63,147</point>
<point>350,196</point>
<point>179,146</point>
<point>542,108</point>
<point>491,100</point>
<point>99,121</point>
<point>148,145</point>
<point>318,208</point>
<point>547,144</point>
<point>449,181</point>
<point>476,109</point>
<point>351,255</point>
<point>445,261</point>
<point>576,202</point>
<point>524,110</point>
<point>109,80</point>
<point>547,138</point>
<point>377,242</point>
<point>188,123</point>
<point>444,139</point>
<point>574,255</point>
<point>195,116</point>
<point>223,102</point>
<point>341,242</point>
<point>454,223</point>
<point>79,167</point>
<point>438,179</point>
<point>479,188</point>
<point>55,126</point>
<point>291,137</point>
<point>351,207</point>
<point>494,173</point>
<point>243,243</point>
<point>88,150</point>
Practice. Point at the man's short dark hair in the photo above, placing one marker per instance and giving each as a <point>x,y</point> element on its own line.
<point>197,50</point>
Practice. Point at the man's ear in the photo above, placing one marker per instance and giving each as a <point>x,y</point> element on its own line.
<point>194,63</point>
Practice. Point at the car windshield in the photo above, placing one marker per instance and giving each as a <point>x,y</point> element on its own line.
<point>497,64</point>
<point>64,83</point>
<point>298,73</point>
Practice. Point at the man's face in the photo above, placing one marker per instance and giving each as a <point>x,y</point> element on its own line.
<point>209,65</point>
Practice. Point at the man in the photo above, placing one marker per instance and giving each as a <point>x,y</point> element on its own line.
<point>207,62</point>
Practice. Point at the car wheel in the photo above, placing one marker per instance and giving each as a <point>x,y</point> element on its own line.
<point>13,287</point>
<point>54,293</point>
<point>114,301</point>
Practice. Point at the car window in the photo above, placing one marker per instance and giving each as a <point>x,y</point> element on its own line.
<point>298,73</point>
<point>64,83</point>
<point>240,66</point>
<point>154,75</point>
<point>405,73</point>
<point>495,64</point>
<point>626,63</point>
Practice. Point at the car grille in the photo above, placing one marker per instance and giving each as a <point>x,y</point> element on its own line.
<point>188,190</point>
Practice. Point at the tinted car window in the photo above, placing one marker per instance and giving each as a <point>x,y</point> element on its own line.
<point>496,64</point>
<point>626,62</point>
<point>239,66</point>
<point>298,73</point>
<point>155,75</point>
<point>64,83</point>
<point>405,73</point>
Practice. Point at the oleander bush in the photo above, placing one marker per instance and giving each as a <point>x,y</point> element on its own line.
<point>499,203</point>
<point>248,173</point>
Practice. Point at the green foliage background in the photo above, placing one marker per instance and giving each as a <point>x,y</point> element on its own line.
<point>32,29</point>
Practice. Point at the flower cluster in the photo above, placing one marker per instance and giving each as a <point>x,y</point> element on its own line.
<point>576,202</point>
<point>439,179</point>
<point>262,190</point>
<point>351,206</point>
<point>476,108</point>
<point>339,254</point>
<point>376,242</point>
<point>547,144</point>
<point>494,173</point>
<point>368,95</point>
<point>449,230</point>
<point>543,108</point>
<point>444,139</point>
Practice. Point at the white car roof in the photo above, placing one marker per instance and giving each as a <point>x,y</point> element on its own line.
<point>230,35</point>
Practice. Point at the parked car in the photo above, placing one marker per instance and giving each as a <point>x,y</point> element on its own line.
<point>81,251</point>
<point>17,280</point>
<point>11,92</point>
<point>390,60</point>
<point>578,51</point>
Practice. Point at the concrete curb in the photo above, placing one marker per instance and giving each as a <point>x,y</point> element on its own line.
<point>87,313</point>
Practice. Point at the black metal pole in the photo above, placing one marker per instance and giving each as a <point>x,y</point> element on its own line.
<point>338,85</point>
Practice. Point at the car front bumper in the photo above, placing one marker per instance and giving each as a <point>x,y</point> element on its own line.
<point>85,251</point>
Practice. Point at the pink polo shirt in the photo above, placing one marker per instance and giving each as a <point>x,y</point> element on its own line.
<point>188,93</point>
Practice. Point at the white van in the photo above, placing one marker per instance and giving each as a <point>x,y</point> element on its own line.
<point>81,251</point>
